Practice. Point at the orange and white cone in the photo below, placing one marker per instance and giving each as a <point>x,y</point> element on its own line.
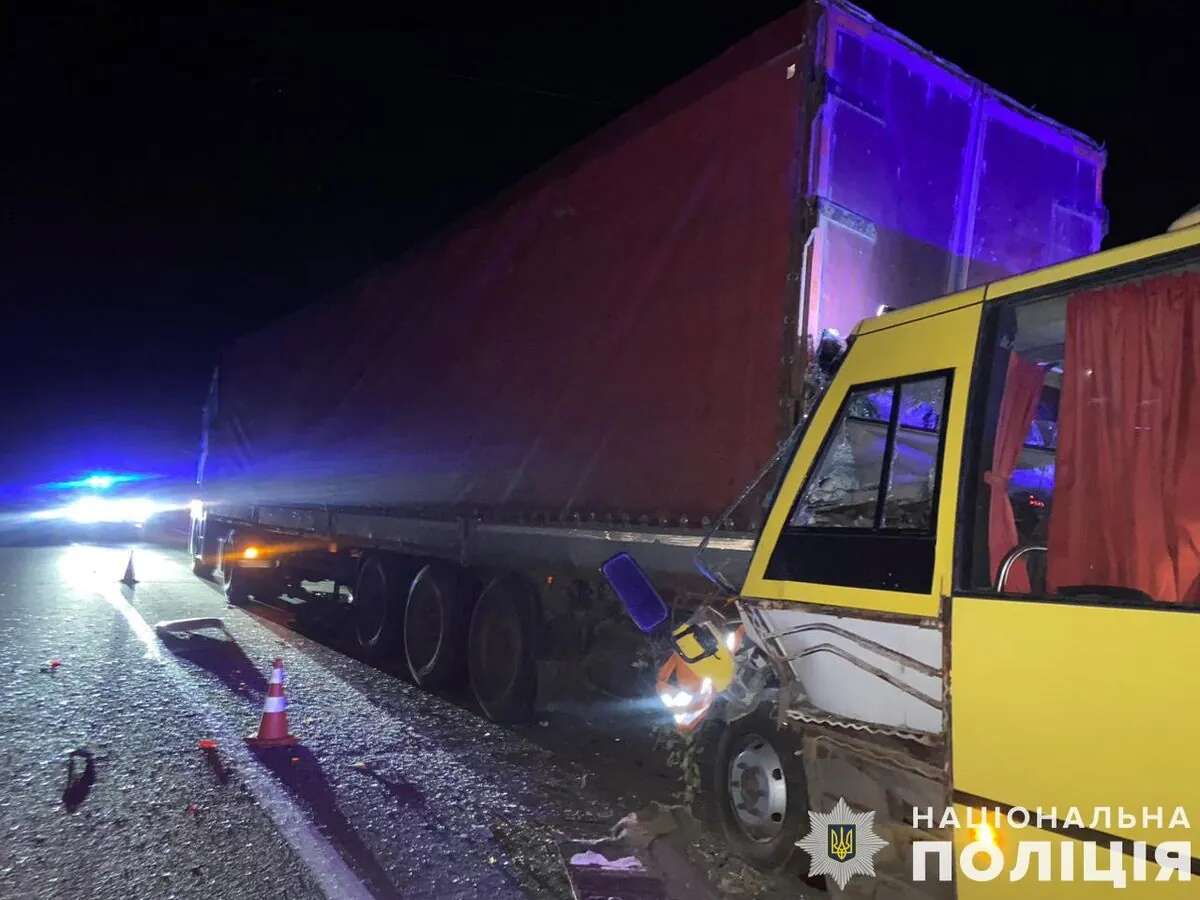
<point>273,728</point>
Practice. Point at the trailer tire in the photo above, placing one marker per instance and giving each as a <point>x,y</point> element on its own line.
<point>436,618</point>
<point>378,607</point>
<point>501,659</point>
<point>756,789</point>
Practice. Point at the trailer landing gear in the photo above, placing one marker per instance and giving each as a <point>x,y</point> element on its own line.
<point>242,584</point>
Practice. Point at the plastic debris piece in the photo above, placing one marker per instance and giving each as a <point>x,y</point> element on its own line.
<point>192,809</point>
<point>55,663</point>
<point>593,874</point>
<point>592,858</point>
<point>206,744</point>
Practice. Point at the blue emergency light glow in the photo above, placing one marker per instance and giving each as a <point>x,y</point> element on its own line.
<point>96,481</point>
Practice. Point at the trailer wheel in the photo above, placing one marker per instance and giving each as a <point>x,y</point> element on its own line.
<point>380,595</point>
<point>500,651</point>
<point>435,626</point>
<point>757,789</point>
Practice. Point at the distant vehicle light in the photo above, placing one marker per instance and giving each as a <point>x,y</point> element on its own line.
<point>99,482</point>
<point>95,510</point>
<point>250,553</point>
<point>197,508</point>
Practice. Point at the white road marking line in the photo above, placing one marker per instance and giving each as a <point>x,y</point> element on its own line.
<point>330,871</point>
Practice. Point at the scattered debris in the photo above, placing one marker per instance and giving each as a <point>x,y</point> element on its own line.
<point>592,858</point>
<point>606,869</point>
<point>186,625</point>
<point>78,783</point>
<point>209,748</point>
<point>641,828</point>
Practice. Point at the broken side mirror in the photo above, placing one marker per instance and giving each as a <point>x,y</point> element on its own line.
<point>635,591</point>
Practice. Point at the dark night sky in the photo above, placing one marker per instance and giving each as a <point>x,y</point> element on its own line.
<point>169,182</point>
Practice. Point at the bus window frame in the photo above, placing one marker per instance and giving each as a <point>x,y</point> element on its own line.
<point>881,536</point>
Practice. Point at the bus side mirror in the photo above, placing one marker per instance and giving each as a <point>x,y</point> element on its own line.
<point>635,591</point>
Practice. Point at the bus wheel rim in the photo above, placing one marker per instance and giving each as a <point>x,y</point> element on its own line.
<point>757,788</point>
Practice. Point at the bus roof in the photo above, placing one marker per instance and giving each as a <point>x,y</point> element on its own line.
<point>1075,268</point>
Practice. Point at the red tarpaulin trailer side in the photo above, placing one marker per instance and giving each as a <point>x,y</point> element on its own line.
<point>610,343</point>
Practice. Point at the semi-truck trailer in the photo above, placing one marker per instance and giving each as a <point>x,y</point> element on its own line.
<point>601,358</point>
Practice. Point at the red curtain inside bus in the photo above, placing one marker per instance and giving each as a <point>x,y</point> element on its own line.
<point>1022,387</point>
<point>1127,495</point>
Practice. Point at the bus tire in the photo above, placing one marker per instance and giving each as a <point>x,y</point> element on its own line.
<point>757,790</point>
<point>501,660</point>
<point>436,618</point>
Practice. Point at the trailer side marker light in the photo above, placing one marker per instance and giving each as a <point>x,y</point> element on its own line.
<point>250,553</point>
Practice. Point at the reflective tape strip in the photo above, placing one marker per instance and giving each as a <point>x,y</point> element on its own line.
<point>278,676</point>
<point>275,705</point>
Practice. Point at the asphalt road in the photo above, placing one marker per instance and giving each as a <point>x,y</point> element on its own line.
<point>391,792</point>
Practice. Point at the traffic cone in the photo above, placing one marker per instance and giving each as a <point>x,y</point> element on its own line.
<point>273,728</point>
<point>128,579</point>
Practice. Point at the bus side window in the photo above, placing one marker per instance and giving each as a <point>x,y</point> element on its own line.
<point>1079,482</point>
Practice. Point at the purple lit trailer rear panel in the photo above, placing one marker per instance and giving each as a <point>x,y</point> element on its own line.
<point>926,181</point>
<point>621,337</point>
